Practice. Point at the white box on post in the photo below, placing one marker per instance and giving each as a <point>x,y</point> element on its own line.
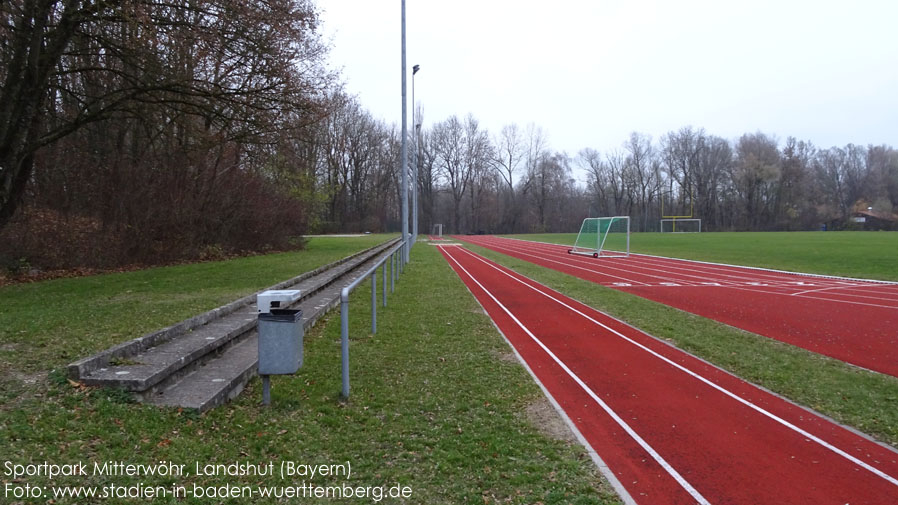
<point>276,299</point>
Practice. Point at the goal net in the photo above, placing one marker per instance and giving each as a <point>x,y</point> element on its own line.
<point>606,237</point>
<point>681,225</point>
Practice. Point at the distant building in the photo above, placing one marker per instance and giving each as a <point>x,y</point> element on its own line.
<point>870,220</point>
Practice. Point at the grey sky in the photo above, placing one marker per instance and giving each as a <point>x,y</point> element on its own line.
<point>591,72</point>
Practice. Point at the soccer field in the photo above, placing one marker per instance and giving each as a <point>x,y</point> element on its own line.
<point>870,255</point>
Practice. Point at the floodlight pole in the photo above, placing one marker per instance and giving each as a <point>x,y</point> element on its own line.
<point>403,157</point>
<point>415,213</point>
<point>415,127</point>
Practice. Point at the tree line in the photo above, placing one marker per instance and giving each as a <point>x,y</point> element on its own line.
<point>146,131</point>
<point>512,181</point>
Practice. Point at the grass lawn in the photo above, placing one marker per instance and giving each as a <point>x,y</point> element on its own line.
<point>870,255</point>
<point>48,324</point>
<point>438,402</point>
<point>865,400</point>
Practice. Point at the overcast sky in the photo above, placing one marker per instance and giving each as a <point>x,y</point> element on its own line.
<point>589,72</point>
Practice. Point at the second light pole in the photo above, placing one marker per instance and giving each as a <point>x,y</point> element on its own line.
<point>415,127</point>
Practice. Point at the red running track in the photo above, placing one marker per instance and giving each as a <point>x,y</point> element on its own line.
<point>673,429</point>
<point>850,320</point>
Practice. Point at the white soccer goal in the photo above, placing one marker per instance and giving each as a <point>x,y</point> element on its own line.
<point>681,225</point>
<point>437,230</point>
<point>606,237</point>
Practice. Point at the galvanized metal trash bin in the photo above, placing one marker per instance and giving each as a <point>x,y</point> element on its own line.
<point>280,346</point>
<point>280,341</point>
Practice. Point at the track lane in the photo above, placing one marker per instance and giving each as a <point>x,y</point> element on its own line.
<point>857,324</point>
<point>656,275</point>
<point>717,432</point>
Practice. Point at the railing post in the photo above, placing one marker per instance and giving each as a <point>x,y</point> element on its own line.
<point>374,301</point>
<point>344,340</point>
<point>394,260</point>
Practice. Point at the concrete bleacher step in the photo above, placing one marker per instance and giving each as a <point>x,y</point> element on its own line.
<point>156,362</point>
<point>214,383</point>
<point>145,370</point>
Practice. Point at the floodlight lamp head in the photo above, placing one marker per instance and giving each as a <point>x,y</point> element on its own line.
<point>415,69</point>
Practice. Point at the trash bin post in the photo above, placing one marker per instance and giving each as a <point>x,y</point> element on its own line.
<point>266,390</point>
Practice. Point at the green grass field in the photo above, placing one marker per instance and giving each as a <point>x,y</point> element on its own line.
<point>870,255</point>
<point>438,402</point>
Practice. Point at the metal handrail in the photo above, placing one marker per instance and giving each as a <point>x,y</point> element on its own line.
<point>344,303</point>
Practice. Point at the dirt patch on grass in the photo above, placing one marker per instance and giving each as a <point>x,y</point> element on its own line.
<point>17,387</point>
<point>505,356</point>
<point>27,380</point>
<point>548,421</point>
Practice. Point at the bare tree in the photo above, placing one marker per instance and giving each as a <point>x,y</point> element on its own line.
<point>479,155</point>
<point>509,154</point>
<point>640,155</point>
<point>618,182</point>
<point>66,64</point>
<point>548,180</point>
<point>680,153</point>
<point>794,190</point>
<point>352,162</point>
<point>882,163</point>
<point>842,173</point>
<point>427,180</point>
<point>536,148</point>
<point>755,175</point>
<point>449,147</point>
<point>714,163</point>
<point>856,174</point>
<point>597,178</point>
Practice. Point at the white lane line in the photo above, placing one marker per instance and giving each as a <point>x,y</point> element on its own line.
<point>774,417</point>
<point>544,258</point>
<point>773,270</point>
<point>572,261</point>
<point>839,300</point>
<point>687,266</point>
<point>633,266</point>
<point>599,462</point>
<point>741,267</point>
<point>727,283</point>
<point>863,294</point>
<point>623,424</point>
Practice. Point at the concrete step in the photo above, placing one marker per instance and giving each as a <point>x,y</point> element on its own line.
<point>153,362</point>
<point>214,383</point>
<point>145,370</point>
<point>224,377</point>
